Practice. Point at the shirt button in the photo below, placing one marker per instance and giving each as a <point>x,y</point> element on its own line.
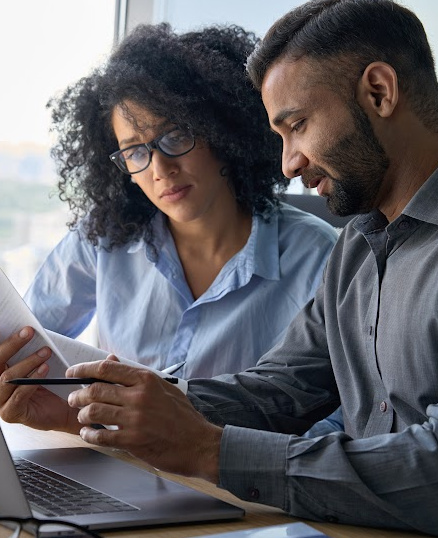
<point>383,406</point>
<point>254,493</point>
<point>404,225</point>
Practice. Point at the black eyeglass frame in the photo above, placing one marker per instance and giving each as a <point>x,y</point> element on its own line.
<point>22,522</point>
<point>153,144</point>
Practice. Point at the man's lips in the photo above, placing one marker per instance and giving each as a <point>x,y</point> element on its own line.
<point>316,182</point>
<point>320,185</point>
<point>313,182</point>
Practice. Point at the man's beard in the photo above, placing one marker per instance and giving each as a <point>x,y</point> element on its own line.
<point>360,164</point>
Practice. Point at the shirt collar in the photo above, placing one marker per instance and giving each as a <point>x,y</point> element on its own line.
<point>266,252</point>
<point>261,252</point>
<point>422,206</point>
<point>160,235</point>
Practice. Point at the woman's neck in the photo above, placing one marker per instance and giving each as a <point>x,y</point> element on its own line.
<point>204,246</point>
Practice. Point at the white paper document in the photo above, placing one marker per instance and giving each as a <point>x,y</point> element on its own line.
<point>15,314</point>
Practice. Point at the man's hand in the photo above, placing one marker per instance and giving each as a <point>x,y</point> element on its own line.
<point>156,421</point>
<point>34,405</point>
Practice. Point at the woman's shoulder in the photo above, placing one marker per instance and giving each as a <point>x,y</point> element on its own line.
<point>296,221</point>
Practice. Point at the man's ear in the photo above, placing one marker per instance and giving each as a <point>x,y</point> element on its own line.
<point>377,89</point>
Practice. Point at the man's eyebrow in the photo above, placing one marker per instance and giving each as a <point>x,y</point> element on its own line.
<point>284,114</point>
<point>274,131</point>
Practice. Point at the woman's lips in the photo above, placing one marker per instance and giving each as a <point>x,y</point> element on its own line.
<point>175,193</point>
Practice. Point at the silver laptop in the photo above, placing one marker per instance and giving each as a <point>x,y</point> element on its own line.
<point>122,495</point>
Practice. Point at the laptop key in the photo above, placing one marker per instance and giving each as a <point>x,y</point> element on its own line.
<point>56,495</point>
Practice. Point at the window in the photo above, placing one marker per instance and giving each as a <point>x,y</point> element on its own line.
<point>46,45</point>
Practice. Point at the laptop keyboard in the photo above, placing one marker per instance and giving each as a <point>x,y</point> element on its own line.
<point>55,495</point>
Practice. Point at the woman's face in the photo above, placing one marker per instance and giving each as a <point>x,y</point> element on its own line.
<point>185,188</point>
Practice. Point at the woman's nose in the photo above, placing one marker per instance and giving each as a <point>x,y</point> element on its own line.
<point>162,166</point>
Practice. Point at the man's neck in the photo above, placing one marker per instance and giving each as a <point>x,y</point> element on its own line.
<point>414,157</point>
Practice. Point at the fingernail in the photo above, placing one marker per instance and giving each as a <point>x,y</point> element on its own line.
<point>43,352</point>
<point>70,400</point>
<point>43,369</point>
<point>24,333</point>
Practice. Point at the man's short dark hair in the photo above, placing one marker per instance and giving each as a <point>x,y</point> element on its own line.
<point>355,33</point>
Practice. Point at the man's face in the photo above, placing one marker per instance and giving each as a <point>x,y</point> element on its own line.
<point>327,141</point>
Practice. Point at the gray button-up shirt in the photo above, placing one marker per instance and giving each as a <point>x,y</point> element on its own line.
<point>369,340</point>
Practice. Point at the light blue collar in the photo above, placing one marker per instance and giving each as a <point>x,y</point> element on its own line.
<point>260,255</point>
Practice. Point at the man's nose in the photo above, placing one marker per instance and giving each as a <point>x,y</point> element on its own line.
<point>293,161</point>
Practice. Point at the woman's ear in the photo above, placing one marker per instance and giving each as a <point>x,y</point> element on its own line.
<point>377,89</point>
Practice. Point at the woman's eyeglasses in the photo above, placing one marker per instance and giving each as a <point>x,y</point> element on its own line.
<point>45,527</point>
<point>138,157</point>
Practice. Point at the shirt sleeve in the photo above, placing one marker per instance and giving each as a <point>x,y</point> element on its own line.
<point>386,480</point>
<point>63,293</point>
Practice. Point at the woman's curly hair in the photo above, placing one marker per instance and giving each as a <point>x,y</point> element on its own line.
<point>196,80</point>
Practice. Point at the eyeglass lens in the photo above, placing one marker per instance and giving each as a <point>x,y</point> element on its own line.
<point>138,157</point>
<point>43,528</point>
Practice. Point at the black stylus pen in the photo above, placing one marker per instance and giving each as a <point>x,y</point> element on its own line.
<point>69,381</point>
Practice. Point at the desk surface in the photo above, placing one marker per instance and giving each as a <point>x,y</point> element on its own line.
<point>20,437</point>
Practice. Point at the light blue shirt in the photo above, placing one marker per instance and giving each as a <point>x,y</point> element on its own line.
<point>146,311</point>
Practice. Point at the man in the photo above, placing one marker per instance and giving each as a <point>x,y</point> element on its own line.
<point>350,87</point>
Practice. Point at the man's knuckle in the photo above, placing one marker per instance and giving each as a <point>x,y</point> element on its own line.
<point>103,367</point>
<point>147,377</point>
<point>100,437</point>
<point>7,417</point>
<point>92,391</point>
<point>95,391</point>
<point>92,410</point>
<point>5,377</point>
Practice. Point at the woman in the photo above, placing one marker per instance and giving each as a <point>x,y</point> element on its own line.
<point>178,242</point>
